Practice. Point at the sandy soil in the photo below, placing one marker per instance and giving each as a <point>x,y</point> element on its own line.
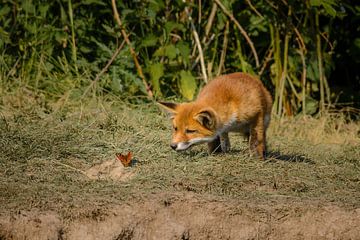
<point>185,216</point>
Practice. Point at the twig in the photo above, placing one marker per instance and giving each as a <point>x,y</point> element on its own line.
<point>223,52</point>
<point>205,47</point>
<point>199,17</point>
<point>302,52</point>
<point>198,44</point>
<point>116,53</point>
<point>284,73</point>
<point>300,39</point>
<point>293,88</point>
<point>320,63</point>
<point>328,42</point>
<point>210,21</point>
<point>254,9</point>
<point>132,51</point>
<point>242,30</point>
<point>266,61</point>
<point>272,5</point>
<point>13,68</point>
<point>73,44</point>
<point>111,60</point>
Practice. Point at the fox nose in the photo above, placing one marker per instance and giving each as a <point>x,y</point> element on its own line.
<point>173,146</point>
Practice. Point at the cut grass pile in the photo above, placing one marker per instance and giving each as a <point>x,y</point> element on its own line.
<point>43,156</point>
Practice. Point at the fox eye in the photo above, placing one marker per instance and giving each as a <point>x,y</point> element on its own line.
<point>175,128</point>
<point>189,131</point>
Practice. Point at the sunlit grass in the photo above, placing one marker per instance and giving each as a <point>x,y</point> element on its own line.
<point>44,154</point>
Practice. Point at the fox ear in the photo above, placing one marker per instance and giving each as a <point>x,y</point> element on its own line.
<point>169,106</point>
<point>206,118</point>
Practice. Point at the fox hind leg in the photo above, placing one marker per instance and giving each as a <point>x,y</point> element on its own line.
<point>257,138</point>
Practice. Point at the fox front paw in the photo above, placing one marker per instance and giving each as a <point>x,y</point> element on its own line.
<point>225,143</point>
<point>214,146</point>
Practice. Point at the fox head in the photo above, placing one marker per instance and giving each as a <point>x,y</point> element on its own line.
<point>191,124</point>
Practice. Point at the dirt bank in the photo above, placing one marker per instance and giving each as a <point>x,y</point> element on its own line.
<point>188,217</point>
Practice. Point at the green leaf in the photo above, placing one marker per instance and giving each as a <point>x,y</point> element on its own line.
<point>103,47</point>
<point>311,105</point>
<point>314,87</point>
<point>312,71</point>
<point>170,26</point>
<point>44,10</point>
<point>96,2</point>
<point>159,52</point>
<point>4,37</point>
<point>329,9</point>
<point>221,20</point>
<point>28,7</point>
<point>327,4</point>
<point>109,29</point>
<point>257,25</point>
<point>4,11</point>
<point>116,84</point>
<point>156,72</point>
<point>61,36</point>
<point>170,51</point>
<point>149,41</point>
<point>357,43</point>
<point>156,5</point>
<point>32,28</point>
<point>315,3</point>
<point>85,49</point>
<point>187,84</point>
<point>184,51</point>
<point>154,8</point>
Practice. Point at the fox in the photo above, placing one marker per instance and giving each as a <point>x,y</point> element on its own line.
<point>236,102</point>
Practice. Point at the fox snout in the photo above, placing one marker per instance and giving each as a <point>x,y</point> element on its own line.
<point>173,146</point>
<point>180,146</point>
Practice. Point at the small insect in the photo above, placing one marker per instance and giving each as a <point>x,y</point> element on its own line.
<point>126,160</point>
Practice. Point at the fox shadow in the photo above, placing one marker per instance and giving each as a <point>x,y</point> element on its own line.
<point>273,156</point>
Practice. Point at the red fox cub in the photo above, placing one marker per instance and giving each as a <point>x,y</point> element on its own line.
<point>236,102</point>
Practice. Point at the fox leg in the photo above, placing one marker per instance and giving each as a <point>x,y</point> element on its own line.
<point>247,135</point>
<point>252,140</point>
<point>214,146</point>
<point>225,142</point>
<point>257,138</point>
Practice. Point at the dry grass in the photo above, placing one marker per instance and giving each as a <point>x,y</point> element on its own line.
<point>43,156</point>
<point>327,129</point>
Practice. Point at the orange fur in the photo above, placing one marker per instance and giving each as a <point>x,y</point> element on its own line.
<point>235,102</point>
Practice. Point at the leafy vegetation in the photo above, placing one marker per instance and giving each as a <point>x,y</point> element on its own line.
<point>302,50</point>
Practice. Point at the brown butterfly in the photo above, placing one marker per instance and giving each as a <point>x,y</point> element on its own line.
<point>126,160</point>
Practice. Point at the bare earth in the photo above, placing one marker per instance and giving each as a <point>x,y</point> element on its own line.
<point>187,217</point>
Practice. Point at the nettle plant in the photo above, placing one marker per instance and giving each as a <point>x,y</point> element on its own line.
<point>296,47</point>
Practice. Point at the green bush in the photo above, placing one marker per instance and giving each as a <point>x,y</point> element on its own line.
<point>57,47</point>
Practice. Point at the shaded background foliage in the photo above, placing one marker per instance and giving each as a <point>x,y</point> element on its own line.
<point>308,50</point>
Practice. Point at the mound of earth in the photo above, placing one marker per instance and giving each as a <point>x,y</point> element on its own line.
<point>111,169</point>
